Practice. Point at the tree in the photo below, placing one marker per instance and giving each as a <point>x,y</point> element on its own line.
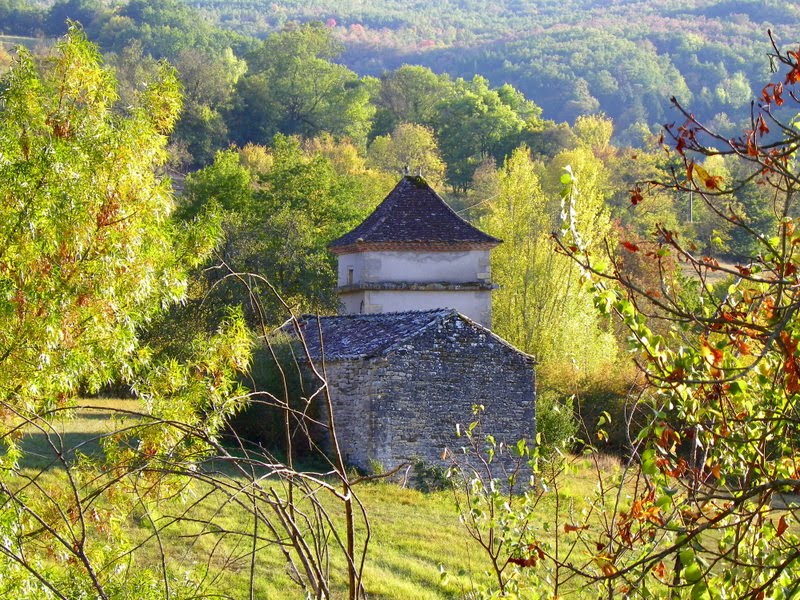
<point>89,250</point>
<point>541,305</point>
<point>208,80</point>
<point>408,147</point>
<point>477,122</point>
<point>90,256</point>
<point>707,513</point>
<point>410,95</point>
<point>279,221</point>
<point>293,87</point>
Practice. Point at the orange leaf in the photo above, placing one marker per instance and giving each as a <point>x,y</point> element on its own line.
<point>570,528</point>
<point>762,125</point>
<point>782,526</point>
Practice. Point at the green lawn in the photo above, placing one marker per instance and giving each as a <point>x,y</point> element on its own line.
<point>414,535</point>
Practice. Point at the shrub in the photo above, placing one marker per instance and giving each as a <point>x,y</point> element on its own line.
<point>277,377</point>
<point>556,425</point>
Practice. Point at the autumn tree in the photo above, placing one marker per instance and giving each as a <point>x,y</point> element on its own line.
<point>718,465</point>
<point>92,255</point>
<point>542,305</point>
<point>89,255</point>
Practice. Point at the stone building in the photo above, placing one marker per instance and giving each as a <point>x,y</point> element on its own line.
<point>399,382</point>
<point>412,351</point>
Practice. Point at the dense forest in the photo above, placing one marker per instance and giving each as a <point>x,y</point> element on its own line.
<point>624,59</point>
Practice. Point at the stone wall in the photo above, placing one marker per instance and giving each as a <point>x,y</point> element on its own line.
<point>406,404</point>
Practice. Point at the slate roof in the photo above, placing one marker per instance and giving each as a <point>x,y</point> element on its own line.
<point>352,337</point>
<point>413,213</point>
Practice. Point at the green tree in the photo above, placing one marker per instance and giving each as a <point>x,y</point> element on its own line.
<point>279,221</point>
<point>541,305</point>
<point>208,80</point>
<point>89,255</point>
<point>476,122</point>
<point>293,87</point>
<point>410,95</point>
<point>411,147</point>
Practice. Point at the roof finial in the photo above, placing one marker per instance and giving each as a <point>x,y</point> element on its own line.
<point>406,170</point>
<point>419,171</point>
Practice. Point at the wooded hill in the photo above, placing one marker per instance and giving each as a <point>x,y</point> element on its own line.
<point>576,57</point>
<point>624,59</point>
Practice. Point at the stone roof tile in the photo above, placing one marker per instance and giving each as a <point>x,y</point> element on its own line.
<point>349,337</point>
<point>413,213</point>
<point>360,336</point>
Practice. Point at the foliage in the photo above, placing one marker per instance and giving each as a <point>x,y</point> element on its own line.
<point>278,223</point>
<point>90,254</point>
<point>721,448</point>
<point>410,148</point>
<point>542,306</point>
<point>410,94</point>
<point>277,374</point>
<point>556,426</point>
<point>478,121</point>
<point>293,87</point>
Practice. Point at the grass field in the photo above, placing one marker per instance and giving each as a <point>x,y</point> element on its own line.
<point>415,535</point>
<point>29,42</point>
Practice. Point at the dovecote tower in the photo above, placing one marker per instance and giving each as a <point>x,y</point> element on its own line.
<point>415,253</point>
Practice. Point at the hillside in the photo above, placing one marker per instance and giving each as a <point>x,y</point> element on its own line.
<point>623,58</point>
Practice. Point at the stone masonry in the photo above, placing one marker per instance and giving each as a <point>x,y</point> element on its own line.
<point>401,399</point>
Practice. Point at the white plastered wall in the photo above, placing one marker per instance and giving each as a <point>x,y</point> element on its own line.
<point>414,267</point>
<point>477,305</point>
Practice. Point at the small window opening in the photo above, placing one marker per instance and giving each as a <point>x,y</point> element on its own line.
<point>349,275</point>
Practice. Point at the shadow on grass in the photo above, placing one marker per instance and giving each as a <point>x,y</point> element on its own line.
<point>43,451</point>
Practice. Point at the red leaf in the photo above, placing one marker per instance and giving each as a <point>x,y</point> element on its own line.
<point>680,146</point>
<point>569,528</point>
<point>636,196</point>
<point>762,125</point>
<point>630,247</point>
<point>712,182</point>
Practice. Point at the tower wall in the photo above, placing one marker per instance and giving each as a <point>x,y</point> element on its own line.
<point>475,304</point>
<point>466,266</point>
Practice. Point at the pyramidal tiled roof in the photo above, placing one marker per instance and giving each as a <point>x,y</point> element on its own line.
<point>413,213</point>
<point>349,337</point>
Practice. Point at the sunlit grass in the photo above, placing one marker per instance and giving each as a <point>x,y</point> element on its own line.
<point>415,536</point>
